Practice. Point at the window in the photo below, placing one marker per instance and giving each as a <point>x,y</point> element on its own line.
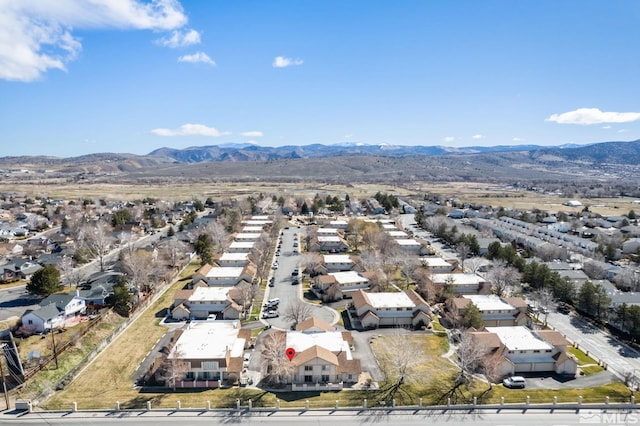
<point>325,368</point>
<point>308,368</point>
<point>210,365</point>
<point>536,351</point>
<point>308,379</point>
<point>523,352</point>
<point>548,351</point>
<point>325,378</point>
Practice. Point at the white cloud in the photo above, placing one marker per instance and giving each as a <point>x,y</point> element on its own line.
<point>197,57</point>
<point>622,131</point>
<point>517,139</point>
<point>253,134</point>
<point>606,127</point>
<point>449,138</point>
<point>190,130</point>
<point>36,35</point>
<point>586,116</point>
<point>180,39</point>
<point>477,137</point>
<point>282,62</point>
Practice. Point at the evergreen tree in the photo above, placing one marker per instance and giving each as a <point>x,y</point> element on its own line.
<point>471,317</point>
<point>45,281</point>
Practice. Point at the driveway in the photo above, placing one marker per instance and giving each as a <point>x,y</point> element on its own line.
<point>554,381</point>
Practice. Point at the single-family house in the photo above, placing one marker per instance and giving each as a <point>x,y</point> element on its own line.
<point>342,283</point>
<point>438,265</point>
<point>18,269</point>
<point>329,243</point>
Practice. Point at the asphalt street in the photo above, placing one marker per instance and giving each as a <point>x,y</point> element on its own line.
<point>285,290</point>
<point>521,417</point>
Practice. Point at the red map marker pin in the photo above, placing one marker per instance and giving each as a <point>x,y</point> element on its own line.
<point>290,352</point>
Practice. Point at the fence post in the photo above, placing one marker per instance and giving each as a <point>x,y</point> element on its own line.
<point>475,401</point>
<point>580,400</point>
<point>528,399</point>
<point>75,404</point>
<point>208,405</point>
<point>117,405</point>
<point>178,405</point>
<point>306,404</point>
<point>420,403</point>
<point>606,403</point>
<point>555,400</point>
<point>148,405</point>
<point>393,402</point>
<point>501,400</point>
<point>448,402</point>
<point>238,404</point>
<point>277,404</point>
<point>337,404</point>
<point>633,399</point>
<point>250,404</point>
<point>364,403</point>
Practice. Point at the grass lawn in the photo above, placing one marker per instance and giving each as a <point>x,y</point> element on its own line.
<point>108,378</point>
<point>584,359</point>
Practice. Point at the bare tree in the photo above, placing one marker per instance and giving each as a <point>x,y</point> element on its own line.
<point>65,265</point>
<point>219,236</point>
<point>399,358</point>
<point>474,264</point>
<point>98,239</point>
<point>297,312</point>
<point>173,368</point>
<point>140,268</point>
<point>469,358</point>
<point>463,250</point>
<point>310,261</point>
<point>175,251</point>
<point>544,299</point>
<point>504,278</point>
<point>277,368</point>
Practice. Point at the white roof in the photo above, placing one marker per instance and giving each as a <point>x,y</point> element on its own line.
<point>519,338</point>
<point>209,340</point>
<point>458,279</point>
<point>489,302</point>
<point>435,262</point>
<point>247,236</point>
<point>390,300</point>
<point>260,218</point>
<point>338,223</point>
<point>256,222</point>
<point>329,340</point>
<point>388,227</point>
<point>328,238</point>
<point>348,277</point>
<point>206,294</point>
<point>225,272</point>
<point>337,258</point>
<point>328,231</point>
<point>252,229</point>
<point>234,256</point>
<point>242,244</point>
<point>396,234</point>
<point>407,242</point>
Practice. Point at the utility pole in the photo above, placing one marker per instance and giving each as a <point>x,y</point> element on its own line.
<point>53,339</point>
<point>4,383</point>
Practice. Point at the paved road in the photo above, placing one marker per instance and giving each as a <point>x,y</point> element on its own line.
<point>528,417</point>
<point>620,357</point>
<point>284,290</point>
<point>15,301</point>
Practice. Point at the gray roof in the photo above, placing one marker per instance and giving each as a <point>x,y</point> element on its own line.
<point>58,300</point>
<point>47,312</point>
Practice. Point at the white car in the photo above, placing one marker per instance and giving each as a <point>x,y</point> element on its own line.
<point>270,314</point>
<point>515,382</point>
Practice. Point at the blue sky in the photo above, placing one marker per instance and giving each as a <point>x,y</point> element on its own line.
<point>132,76</point>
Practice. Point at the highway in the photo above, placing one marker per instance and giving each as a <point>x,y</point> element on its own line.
<point>343,418</point>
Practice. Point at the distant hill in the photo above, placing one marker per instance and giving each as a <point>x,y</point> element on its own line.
<point>249,152</point>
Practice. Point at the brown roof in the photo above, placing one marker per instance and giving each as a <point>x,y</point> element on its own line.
<point>553,337</point>
<point>234,365</point>
<point>561,357</point>
<point>347,337</point>
<point>460,302</point>
<point>204,269</point>
<point>348,366</point>
<point>326,279</point>
<point>516,302</point>
<point>359,299</point>
<point>314,352</point>
<point>314,322</point>
<point>182,294</point>
<point>486,339</point>
<point>415,297</point>
<point>250,269</point>
<point>244,333</point>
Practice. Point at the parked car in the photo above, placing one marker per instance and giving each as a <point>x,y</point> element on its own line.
<point>563,308</point>
<point>270,314</point>
<point>274,300</point>
<point>295,272</point>
<point>295,281</point>
<point>514,382</point>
